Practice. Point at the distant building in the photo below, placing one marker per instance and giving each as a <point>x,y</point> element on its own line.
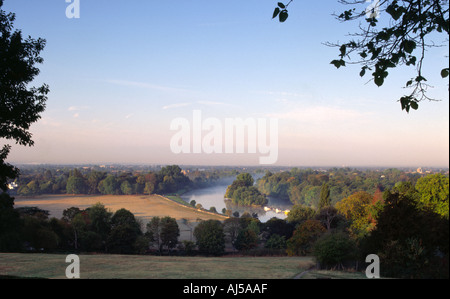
<point>419,170</point>
<point>12,186</point>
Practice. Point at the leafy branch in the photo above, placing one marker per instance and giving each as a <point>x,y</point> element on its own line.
<point>281,11</point>
<point>404,41</point>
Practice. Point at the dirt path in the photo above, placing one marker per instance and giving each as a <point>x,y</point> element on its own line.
<point>300,275</point>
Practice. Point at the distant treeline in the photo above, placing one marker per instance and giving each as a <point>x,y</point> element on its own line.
<point>303,186</point>
<point>168,179</point>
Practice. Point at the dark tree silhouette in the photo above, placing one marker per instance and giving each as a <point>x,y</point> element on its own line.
<point>20,105</point>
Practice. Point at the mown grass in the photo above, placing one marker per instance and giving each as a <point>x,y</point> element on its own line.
<point>329,274</point>
<point>154,267</point>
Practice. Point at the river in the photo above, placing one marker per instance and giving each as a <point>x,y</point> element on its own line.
<point>214,197</point>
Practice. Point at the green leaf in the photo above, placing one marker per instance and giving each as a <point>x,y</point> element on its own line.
<point>379,81</point>
<point>363,72</point>
<point>409,46</point>
<point>445,73</point>
<point>275,13</point>
<point>338,63</point>
<point>343,50</point>
<point>395,11</point>
<point>375,53</point>
<point>281,5</point>
<point>412,60</point>
<point>405,102</point>
<point>420,79</point>
<point>409,102</point>
<point>283,15</point>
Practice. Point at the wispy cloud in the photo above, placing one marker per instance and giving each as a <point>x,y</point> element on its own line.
<point>212,103</point>
<point>145,85</point>
<point>78,108</point>
<point>320,114</point>
<point>178,105</point>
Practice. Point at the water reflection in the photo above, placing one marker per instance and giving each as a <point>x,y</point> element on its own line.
<point>214,197</point>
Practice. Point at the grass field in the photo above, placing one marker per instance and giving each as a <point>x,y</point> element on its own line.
<point>143,207</point>
<point>154,267</point>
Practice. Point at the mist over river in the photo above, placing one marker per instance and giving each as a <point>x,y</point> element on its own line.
<point>214,197</point>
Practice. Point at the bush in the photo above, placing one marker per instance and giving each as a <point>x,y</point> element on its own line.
<point>210,237</point>
<point>276,242</point>
<point>334,249</point>
<point>304,237</point>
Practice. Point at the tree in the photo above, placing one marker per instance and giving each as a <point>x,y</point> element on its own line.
<point>299,214</point>
<point>245,178</point>
<point>125,230</point>
<point>76,185</point>
<point>324,196</point>
<point>357,209</point>
<point>412,28</point>
<point>276,242</point>
<point>232,226</point>
<point>304,237</point>
<point>163,232</point>
<point>330,217</point>
<point>333,249</point>
<point>70,213</point>
<point>279,227</point>
<point>93,179</point>
<point>10,225</point>
<point>412,241</point>
<point>242,191</point>
<point>169,232</point>
<point>246,239</point>
<point>433,193</point>
<point>154,232</point>
<point>20,105</point>
<point>126,188</point>
<point>210,237</point>
<point>109,185</point>
<point>99,223</point>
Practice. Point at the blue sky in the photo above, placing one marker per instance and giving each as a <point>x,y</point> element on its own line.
<point>124,70</point>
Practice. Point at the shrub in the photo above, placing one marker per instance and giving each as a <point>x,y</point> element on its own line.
<point>304,237</point>
<point>334,249</point>
<point>210,237</point>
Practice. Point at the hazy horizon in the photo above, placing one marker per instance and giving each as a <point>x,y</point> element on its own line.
<point>122,72</point>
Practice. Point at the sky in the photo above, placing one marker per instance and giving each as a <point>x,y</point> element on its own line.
<point>122,72</point>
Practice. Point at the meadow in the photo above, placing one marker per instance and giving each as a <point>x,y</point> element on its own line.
<point>144,207</point>
<point>154,267</point>
<point>103,266</point>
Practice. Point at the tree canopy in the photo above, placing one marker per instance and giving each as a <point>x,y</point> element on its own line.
<point>242,191</point>
<point>20,104</point>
